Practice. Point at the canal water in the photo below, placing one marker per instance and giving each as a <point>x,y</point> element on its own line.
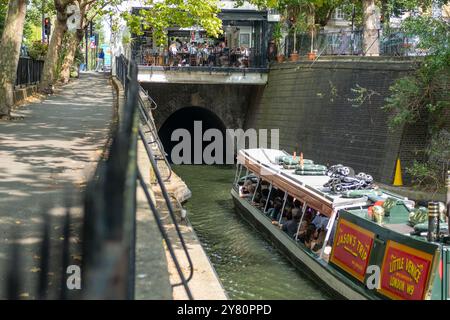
<point>248,266</point>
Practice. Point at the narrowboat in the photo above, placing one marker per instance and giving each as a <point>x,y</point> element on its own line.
<point>351,236</point>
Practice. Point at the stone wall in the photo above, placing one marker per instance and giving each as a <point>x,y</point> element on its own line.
<point>318,112</point>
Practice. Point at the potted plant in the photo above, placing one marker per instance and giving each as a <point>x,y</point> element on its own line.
<point>298,24</point>
<point>278,37</point>
<point>295,27</point>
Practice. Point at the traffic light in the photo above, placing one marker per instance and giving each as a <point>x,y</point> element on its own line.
<point>47,26</point>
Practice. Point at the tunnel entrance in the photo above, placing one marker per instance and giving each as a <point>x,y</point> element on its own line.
<point>191,119</point>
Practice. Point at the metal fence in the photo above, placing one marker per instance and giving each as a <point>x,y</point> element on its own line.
<point>394,43</point>
<point>226,59</point>
<point>148,134</point>
<point>109,235</point>
<point>29,71</point>
<point>108,227</point>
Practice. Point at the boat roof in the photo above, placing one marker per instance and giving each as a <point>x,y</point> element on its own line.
<point>263,162</point>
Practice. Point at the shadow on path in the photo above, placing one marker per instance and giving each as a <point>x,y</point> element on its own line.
<point>45,161</point>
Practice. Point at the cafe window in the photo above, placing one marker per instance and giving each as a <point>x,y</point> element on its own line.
<point>339,14</point>
<point>244,39</point>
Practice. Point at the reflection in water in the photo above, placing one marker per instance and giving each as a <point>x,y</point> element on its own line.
<point>248,266</point>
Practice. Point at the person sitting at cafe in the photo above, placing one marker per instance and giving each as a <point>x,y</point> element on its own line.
<point>173,51</point>
<point>243,59</point>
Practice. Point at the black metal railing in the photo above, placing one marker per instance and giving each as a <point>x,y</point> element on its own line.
<point>327,43</point>
<point>146,127</point>
<point>109,236</point>
<point>108,226</point>
<point>122,71</point>
<point>146,105</point>
<point>29,71</point>
<point>107,229</point>
<point>252,59</point>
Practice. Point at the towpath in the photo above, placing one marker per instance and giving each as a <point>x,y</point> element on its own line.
<point>53,149</point>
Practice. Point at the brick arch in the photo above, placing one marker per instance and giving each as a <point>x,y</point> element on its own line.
<point>228,102</point>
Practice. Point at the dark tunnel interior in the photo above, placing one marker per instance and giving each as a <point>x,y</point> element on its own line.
<point>185,118</point>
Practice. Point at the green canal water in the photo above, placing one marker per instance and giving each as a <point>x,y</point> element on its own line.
<point>248,266</point>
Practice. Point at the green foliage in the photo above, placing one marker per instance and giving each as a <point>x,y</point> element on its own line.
<point>3,12</point>
<point>79,57</point>
<point>424,94</point>
<point>277,35</point>
<point>361,95</point>
<point>431,174</point>
<point>37,50</point>
<point>33,20</point>
<point>181,13</point>
<point>322,9</point>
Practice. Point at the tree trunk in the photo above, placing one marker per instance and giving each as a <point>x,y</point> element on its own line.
<point>73,42</point>
<point>54,48</point>
<point>10,52</point>
<point>371,45</point>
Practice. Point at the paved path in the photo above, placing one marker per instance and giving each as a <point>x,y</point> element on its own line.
<point>54,149</point>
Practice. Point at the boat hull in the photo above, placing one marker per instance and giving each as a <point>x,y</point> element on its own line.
<point>339,286</point>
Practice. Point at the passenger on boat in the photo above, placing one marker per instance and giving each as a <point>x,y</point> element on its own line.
<point>251,191</point>
<point>291,225</point>
<point>308,236</point>
<point>244,190</point>
<point>302,230</point>
<point>320,221</point>
<point>274,212</point>
<point>319,238</point>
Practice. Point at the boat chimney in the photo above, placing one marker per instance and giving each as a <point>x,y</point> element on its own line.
<point>433,221</point>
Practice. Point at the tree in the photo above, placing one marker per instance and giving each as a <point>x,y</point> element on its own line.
<point>51,59</point>
<point>371,44</point>
<point>89,11</point>
<point>303,15</point>
<point>10,52</point>
<point>169,13</point>
<point>424,95</point>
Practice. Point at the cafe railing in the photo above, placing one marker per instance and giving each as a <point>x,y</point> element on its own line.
<point>229,59</point>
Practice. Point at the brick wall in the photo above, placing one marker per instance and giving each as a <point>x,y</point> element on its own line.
<point>310,105</point>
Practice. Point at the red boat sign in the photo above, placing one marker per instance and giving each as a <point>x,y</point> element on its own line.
<point>351,248</point>
<point>405,272</point>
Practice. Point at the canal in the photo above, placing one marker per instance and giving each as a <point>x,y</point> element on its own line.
<point>248,266</point>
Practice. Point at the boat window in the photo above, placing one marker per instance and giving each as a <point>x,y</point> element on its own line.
<point>299,221</point>
<point>237,175</point>
<point>274,203</point>
<point>291,216</point>
<point>247,185</point>
<point>325,251</point>
<point>287,210</point>
<point>257,188</point>
<point>261,194</point>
